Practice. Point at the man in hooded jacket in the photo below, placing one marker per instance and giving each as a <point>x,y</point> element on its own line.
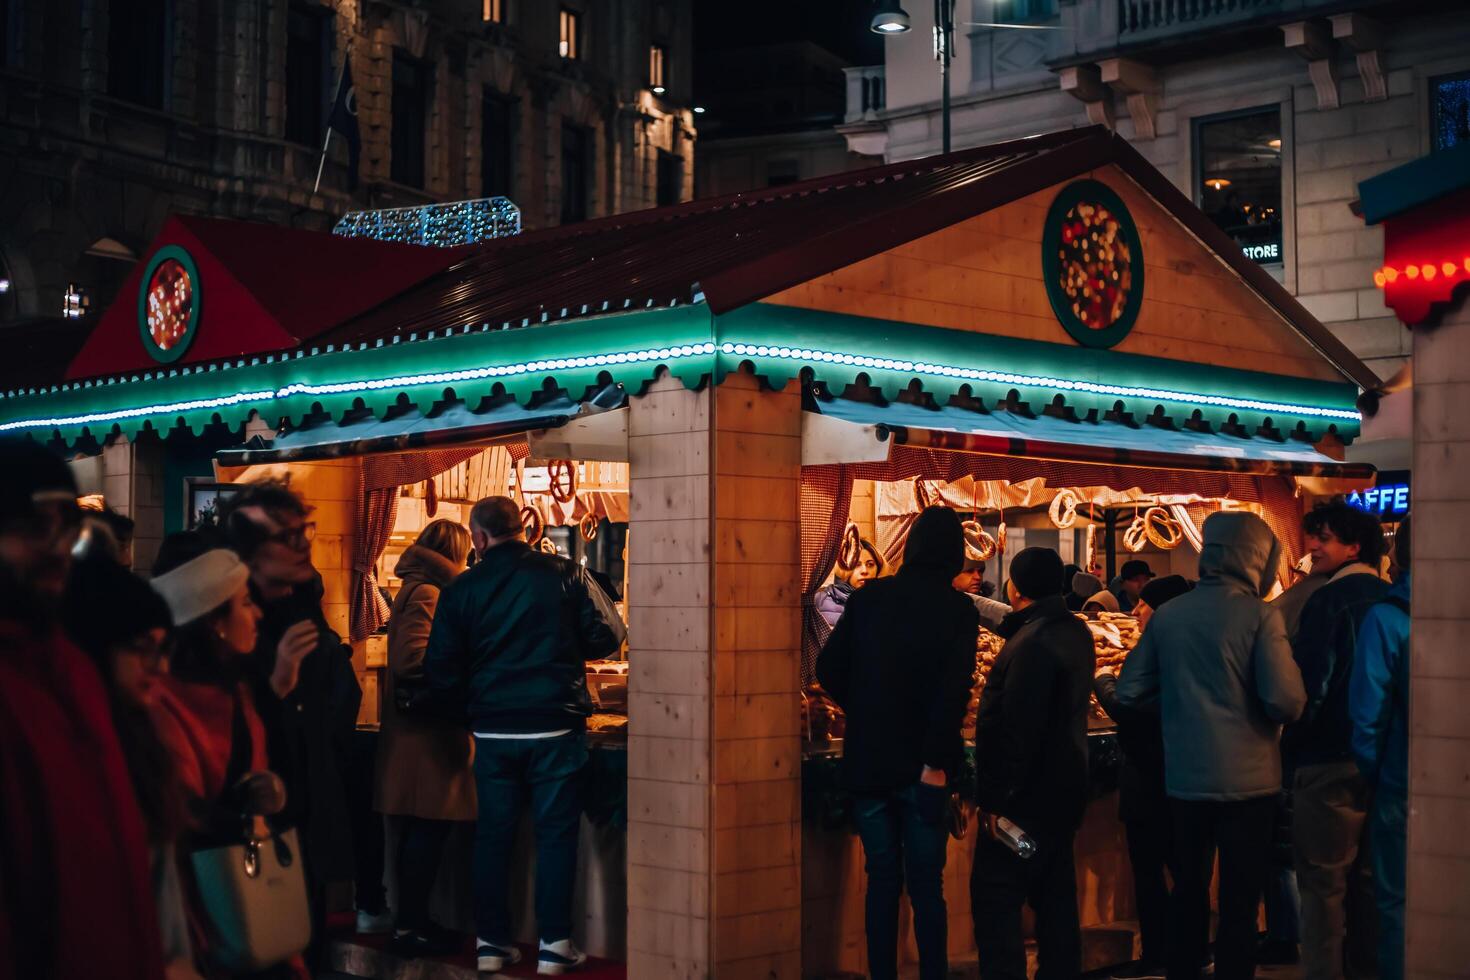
<point>1031,769</point>
<point>1226,686</point>
<point>900,662</point>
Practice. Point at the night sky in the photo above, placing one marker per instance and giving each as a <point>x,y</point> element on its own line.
<point>841,26</point>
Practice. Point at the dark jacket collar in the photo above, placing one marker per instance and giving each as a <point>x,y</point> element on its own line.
<point>1052,607</point>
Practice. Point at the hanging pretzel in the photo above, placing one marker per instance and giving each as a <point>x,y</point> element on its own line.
<point>547,546</point>
<point>1063,510</point>
<point>588,527</point>
<point>563,474</point>
<point>534,524</point>
<point>1089,549</point>
<point>1162,531</point>
<point>979,546</point>
<point>1136,536</point>
<point>1000,539</point>
<point>851,550</point>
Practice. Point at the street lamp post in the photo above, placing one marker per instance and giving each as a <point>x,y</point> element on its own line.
<point>891,19</point>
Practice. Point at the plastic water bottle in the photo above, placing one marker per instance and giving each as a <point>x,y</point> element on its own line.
<point>1015,838</point>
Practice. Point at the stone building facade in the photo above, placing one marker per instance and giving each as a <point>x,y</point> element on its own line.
<point>108,124</point>
<point>1355,88</point>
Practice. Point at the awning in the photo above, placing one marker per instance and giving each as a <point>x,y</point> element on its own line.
<point>1046,437</point>
<point>411,430</point>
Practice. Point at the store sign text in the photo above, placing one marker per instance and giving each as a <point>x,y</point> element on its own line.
<point>1391,499</point>
<point>1269,252</point>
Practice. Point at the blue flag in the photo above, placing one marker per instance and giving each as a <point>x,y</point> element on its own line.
<point>343,119</point>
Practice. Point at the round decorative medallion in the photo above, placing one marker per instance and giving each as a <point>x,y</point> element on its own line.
<point>1092,261</point>
<point>169,303</point>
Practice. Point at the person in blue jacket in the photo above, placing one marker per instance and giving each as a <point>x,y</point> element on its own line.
<point>1378,700</point>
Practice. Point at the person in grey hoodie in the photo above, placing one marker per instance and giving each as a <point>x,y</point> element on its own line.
<point>1223,689</point>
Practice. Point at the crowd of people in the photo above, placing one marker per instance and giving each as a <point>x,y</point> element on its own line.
<point>177,738</point>
<point>1266,737</point>
<point>159,729</point>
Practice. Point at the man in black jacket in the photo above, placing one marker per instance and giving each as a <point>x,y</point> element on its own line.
<point>1329,794</point>
<point>510,642</point>
<point>900,662</point>
<point>1031,770</point>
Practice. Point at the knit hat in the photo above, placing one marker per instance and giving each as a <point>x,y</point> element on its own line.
<point>31,474</point>
<point>1086,586</point>
<point>1161,590</point>
<point>936,543</point>
<point>201,585</point>
<point>1037,573</point>
<point>107,605</point>
<point>1101,599</point>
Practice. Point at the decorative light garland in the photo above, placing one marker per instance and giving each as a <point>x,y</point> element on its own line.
<point>1428,271</point>
<point>442,225</point>
<point>1032,381</point>
<point>673,353</point>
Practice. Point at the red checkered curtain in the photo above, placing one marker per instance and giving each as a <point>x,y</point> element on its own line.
<point>826,497</point>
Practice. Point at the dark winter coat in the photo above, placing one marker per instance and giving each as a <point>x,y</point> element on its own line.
<point>900,663</point>
<point>309,731</point>
<point>1141,737</point>
<point>1031,729</point>
<point>511,639</point>
<point>1323,650</point>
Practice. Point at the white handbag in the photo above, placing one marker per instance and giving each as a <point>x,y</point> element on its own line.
<point>254,896</point>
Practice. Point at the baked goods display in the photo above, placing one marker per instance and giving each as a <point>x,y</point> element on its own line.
<point>607,682</point>
<point>987,648</point>
<point>607,723</point>
<point>822,722</point>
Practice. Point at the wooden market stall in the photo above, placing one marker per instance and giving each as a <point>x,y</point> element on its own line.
<point>988,329</point>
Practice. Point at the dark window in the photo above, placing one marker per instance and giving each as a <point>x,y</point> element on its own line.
<point>779,172</point>
<point>576,167</point>
<point>493,11</point>
<point>670,177</point>
<point>1025,11</point>
<point>658,57</point>
<point>308,61</point>
<point>1238,179</point>
<point>570,44</point>
<point>1449,109</point>
<point>410,109</point>
<point>137,35</point>
<point>497,145</point>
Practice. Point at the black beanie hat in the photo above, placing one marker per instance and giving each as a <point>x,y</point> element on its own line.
<point>29,473</point>
<point>1037,573</point>
<point>936,543</point>
<point>106,605</point>
<point>1161,590</point>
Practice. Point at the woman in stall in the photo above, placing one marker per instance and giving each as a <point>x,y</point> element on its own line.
<point>425,776</point>
<point>831,601</point>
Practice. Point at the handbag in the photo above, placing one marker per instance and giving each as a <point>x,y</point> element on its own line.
<point>254,896</point>
<point>253,892</point>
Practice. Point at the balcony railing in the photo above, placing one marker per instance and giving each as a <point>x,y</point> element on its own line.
<point>1094,28</point>
<point>867,93</point>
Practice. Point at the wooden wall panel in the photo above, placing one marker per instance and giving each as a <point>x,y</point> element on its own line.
<point>984,275</point>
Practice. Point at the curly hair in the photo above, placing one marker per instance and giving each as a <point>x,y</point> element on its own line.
<point>1350,525</point>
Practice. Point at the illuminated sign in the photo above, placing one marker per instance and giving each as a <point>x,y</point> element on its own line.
<point>1390,500</point>
<point>1268,252</point>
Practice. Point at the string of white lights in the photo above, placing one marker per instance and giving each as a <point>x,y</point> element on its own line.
<point>674,353</point>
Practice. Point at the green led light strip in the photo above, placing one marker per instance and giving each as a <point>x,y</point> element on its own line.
<point>1030,381</point>
<point>673,353</point>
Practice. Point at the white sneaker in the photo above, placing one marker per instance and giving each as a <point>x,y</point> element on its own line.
<point>558,958</point>
<point>492,957</point>
<point>369,924</point>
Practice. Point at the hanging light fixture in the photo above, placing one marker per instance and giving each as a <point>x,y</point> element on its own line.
<point>890,18</point>
<point>1217,183</point>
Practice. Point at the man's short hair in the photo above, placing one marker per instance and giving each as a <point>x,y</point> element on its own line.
<point>1349,525</point>
<point>243,535</point>
<point>499,517</point>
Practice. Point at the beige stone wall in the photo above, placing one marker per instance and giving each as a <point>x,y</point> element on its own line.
<point>1439,734</point>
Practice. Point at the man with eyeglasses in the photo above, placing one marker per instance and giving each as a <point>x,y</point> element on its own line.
<point>75,893</point>
<point>306,691</point>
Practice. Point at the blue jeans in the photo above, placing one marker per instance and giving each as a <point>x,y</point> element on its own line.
<point>1386,831</point>
<point>507,772</point>
<point>905,832</point>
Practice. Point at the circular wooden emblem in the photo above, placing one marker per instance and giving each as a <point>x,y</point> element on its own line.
<point>1092,261</point>
<point>169,304</point>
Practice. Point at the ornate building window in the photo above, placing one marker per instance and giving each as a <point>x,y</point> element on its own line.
<point>411,83</point>
<point>570,44</point>
<point>137,52</point>
<point>1449,110</point>
<point>1238,179</point>
<point>576,172</point>
<point>308,68</point>
<point>497,144</point>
